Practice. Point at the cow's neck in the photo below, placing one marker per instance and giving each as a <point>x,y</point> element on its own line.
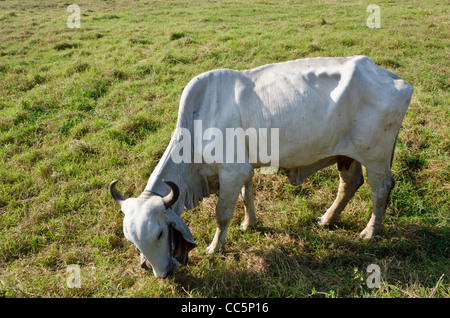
<point>168,170</point>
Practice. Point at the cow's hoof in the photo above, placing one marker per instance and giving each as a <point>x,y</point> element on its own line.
<point>368,234</point>
<point>212,249</point>
<point>247,225</point>
<point>318,221</point>
<point>321,223</point>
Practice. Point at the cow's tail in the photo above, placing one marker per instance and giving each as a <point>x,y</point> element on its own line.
<point>404,95</point>
<point>393,150</point>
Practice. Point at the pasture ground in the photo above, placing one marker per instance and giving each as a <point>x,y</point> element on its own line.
<point>80,107</point>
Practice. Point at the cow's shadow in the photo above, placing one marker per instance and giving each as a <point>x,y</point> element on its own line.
<point>410,257</point>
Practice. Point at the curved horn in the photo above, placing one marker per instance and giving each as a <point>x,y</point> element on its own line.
<point>117,196</point>
<point>172,197</point>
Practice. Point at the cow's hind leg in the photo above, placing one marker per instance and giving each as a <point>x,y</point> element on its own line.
<point>351,178</point>
<point>230,186</point>
<point>381,185</point>
<point>247,196</point>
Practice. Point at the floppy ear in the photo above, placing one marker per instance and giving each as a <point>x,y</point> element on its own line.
<point>182,239</point>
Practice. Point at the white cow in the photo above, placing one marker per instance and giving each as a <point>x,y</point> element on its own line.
<point>328,110</point>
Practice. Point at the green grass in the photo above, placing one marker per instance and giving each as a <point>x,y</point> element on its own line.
<point>82,107</point>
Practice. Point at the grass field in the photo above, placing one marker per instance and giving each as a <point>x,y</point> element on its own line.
<point>80,107</point>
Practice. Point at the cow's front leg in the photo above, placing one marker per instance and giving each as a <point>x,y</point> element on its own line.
<point>247,196</point>
<point>230,186</point>
<point>224,212</point>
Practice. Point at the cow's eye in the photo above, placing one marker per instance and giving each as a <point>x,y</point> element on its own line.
<point>160,234</point>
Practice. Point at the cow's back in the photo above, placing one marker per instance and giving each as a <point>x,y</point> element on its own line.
<point>330,106</point>
<point>322,106</point>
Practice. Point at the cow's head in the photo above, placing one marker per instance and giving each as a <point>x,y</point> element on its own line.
<point>159,234</point>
